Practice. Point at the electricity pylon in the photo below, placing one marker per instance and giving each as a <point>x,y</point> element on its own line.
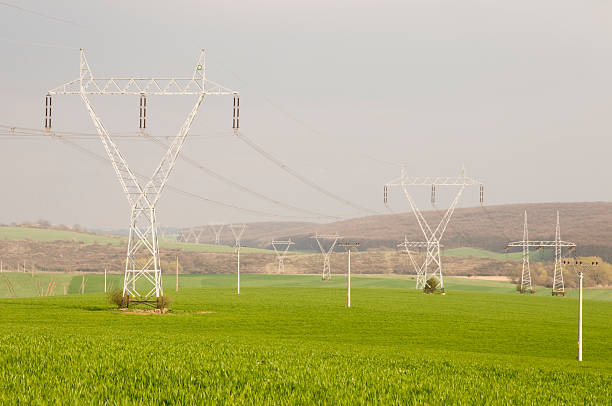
<point>558,285</point>
<point>238,231</point>
<point>419,268</point>
<point>432,266</point>
<point>217,229</point>
<point>326,252</point>
<point>281,248</point>
<point>142,260</point>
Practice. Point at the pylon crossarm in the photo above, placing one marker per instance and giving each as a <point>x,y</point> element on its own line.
<point>134,85</point>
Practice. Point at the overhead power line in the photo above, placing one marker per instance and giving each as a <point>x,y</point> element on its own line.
<point>12,131</point>
<point>38,13</point>
<point>181,191</point>
<point>300,177</point>
<point>238,186</point>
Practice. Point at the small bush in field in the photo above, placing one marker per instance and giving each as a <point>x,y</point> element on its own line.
<point>116,297</point>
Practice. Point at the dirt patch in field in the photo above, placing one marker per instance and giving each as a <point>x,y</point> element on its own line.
<point>205,312</point>
<point>145,312</point>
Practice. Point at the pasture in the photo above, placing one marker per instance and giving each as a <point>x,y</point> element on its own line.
<point>291,339</point>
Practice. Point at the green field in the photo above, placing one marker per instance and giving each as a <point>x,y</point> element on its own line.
<point>468,252</point>
<point>291,339</point>
<point>51,235</point>
<point>26,285</point>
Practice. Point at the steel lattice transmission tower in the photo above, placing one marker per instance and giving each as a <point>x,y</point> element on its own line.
<point>142,260</point>
<point>432,267</point>
<point>326,252</point>
<point>419,268</point>
<point>558,285</point>
<point>281,248</point>
<point>217,229</point>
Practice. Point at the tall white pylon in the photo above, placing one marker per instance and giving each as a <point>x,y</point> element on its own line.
<point>557,245</point>
<point>433,262</point>
<point>326,252</point>
<point>526,273</point>
<point>217,229</point>
<point>281,248</point>
<point>142,259</point>
<point>238,231</point>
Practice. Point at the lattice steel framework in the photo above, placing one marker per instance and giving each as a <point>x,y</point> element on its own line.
<point>419,268</point>
<point>217,229</point>
<point>557,245</point>
<point>142,259</point>
<point>281,248</point>
<point>326,252</point>
<point>432,266</point>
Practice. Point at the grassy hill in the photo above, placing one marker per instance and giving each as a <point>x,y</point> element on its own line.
<point>300,344</point>
<point>587,224</point>
<point>51,235</point>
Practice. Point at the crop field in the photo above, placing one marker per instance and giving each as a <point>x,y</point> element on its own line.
<point>291,339</point>
<point>50,235</point>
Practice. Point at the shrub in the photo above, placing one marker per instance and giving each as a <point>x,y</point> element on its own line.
<point>116,297</point>
<point>163,302</point>
<point>432,284</point>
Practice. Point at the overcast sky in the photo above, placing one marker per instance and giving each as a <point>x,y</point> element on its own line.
<point>343,92</point>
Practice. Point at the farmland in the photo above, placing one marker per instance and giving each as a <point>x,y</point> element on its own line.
<point>291,339</point>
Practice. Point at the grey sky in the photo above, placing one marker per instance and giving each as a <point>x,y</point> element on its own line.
<point>519,91</point>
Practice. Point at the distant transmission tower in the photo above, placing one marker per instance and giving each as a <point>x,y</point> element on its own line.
<point>558,285</point>
<point>238,231</point>
<point>217,229</point>
<point>326,252</point>
<point>142,260</point>
<point>281,248</point>
<point>432,266</point>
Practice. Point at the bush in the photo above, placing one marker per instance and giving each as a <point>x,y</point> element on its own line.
<point>116,297</point>
<point>163,302</point>
<point>432,284</point>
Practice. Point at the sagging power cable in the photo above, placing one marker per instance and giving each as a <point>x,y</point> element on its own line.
<point>238,186</point>
<point>181,191</point>
<point>298,176</point>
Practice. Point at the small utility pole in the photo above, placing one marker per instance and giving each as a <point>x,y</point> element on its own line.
<point>579,268</point>
<point>177,274</point>
<point>104,280</point>
<point>237,231</point>
<point>348,246</point>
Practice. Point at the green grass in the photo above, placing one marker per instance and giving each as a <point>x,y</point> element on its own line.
<point>468,252</point>
<point>300,344</point>
<point>25,285</point>
<point>49,235</point>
